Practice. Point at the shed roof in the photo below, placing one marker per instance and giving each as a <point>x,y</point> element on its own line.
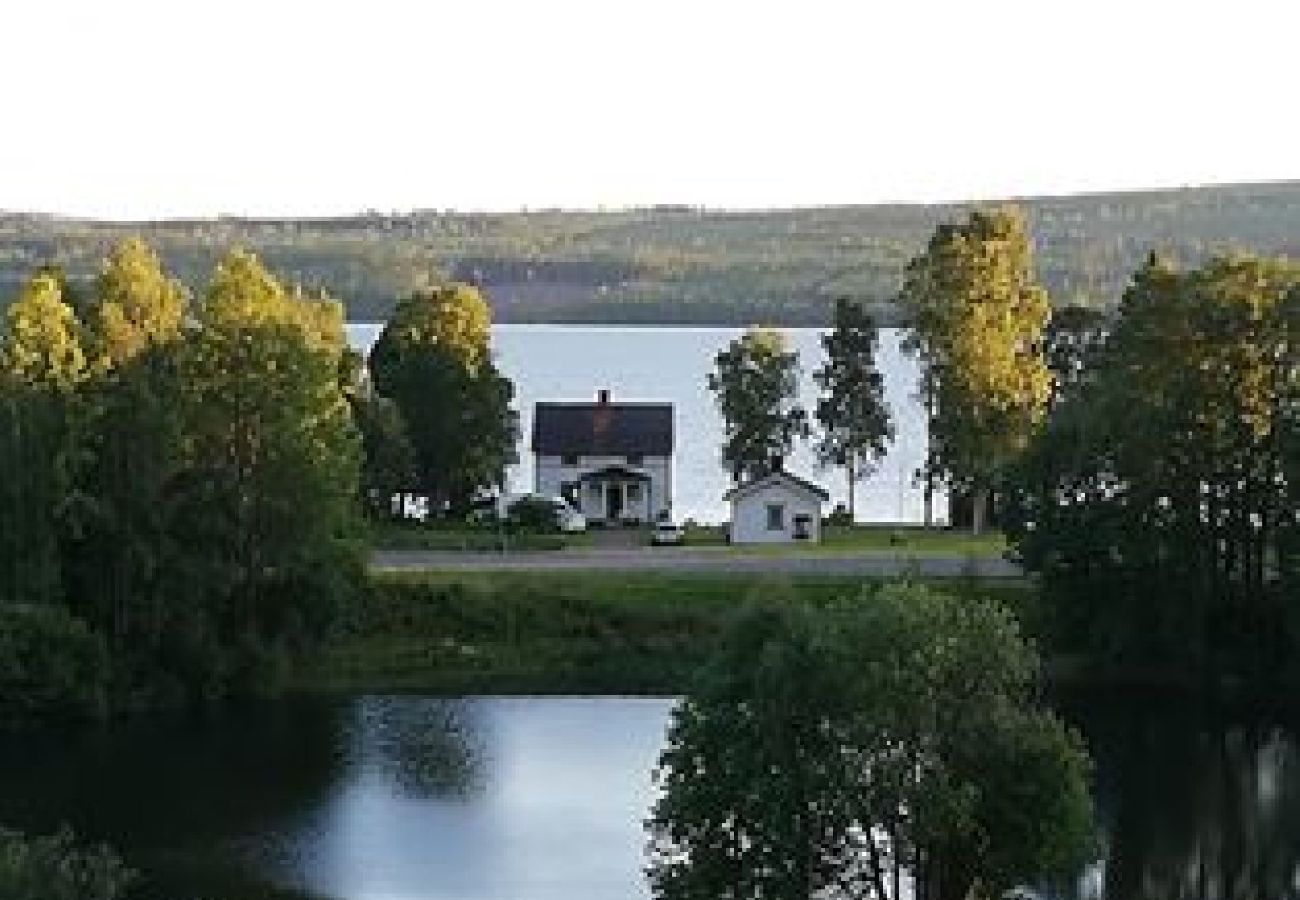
<point>600,429</point>
<point>776,478</point>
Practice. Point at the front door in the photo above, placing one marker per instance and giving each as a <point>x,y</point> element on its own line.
<point>613,502</point>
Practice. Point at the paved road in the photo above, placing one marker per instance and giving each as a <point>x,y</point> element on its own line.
<point>674,559</point>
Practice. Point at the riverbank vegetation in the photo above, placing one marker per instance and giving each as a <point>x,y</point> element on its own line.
<point>887,745</point>
<point>555,632</point>
<point>670,264</point>
<point>178,519</point>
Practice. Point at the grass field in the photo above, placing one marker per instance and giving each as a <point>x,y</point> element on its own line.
<point>836,540</point>
<point>555,632</point>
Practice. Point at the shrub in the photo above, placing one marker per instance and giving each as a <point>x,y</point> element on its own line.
<point>54,868</point>
<point>51,666</point>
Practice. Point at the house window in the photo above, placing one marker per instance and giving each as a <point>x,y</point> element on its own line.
<point>776,517</point>
<point>635,459</point>
<point>569,459</point>
<point>634,493</point>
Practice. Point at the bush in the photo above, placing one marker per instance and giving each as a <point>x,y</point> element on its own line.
<point>532,514</point>
<point>51,666</point>
<point>54,868</point>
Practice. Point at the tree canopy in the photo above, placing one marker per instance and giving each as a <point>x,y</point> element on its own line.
<point>856,425</point>
<point>978,316</point>
<point>433,360</point>
<point>887,746</point>
<point>755,382</point>
<point>1160,503</point>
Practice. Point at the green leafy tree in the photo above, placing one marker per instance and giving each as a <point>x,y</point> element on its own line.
<point>433,359</point>
<point>886,746</point>
<point>264,503</point>
<point>54,868</point>
<point>243,292</point>
<point>977,316</point>
<point>388,467</point>
<point>1159,503</point>
<point>42,363</point>
<point>43,345</point>
<point>756,384</point>
<point>136,304</point>
<point>1074,336</point>
<point>855,420</point>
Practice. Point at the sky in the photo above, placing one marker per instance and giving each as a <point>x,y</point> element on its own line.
<point>154,108</point>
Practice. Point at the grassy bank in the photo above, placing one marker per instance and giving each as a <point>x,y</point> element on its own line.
<point>552,632</point>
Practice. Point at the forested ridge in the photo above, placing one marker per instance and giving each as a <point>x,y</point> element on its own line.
<point>674,264</point>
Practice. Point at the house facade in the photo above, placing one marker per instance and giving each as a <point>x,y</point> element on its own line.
<point>775,509</point>
<point>612,461</point>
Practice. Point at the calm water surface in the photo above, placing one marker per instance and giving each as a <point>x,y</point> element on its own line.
<point>571,362</point>
<point>418,798</point>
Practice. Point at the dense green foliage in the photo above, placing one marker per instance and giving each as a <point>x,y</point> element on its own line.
<point>672,264</point>
<point>434,361</point>
<point>184,484</point>
<point>856,424</point>
<point>1161,503</point>
<point>551,631</point>
<point>978,317</point>
<point>755,382</point>
<point>54,868</point>
<point>51,666</point>
<point>849,750</point>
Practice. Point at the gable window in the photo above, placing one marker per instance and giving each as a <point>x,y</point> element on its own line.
<point>776,517</point>
<point>635,459</point>
<point>569,459</point>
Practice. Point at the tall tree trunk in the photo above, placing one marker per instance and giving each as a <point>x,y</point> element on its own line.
<point>979,505</point>
<point>853,481</point>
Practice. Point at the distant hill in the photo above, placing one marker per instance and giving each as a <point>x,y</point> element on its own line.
<point>675,264</point>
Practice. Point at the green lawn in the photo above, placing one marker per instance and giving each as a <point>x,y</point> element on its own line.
<point>545,632</point>
<point>876,539</point>
<point>836,540</point>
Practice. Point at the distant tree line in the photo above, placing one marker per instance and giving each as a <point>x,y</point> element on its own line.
<point>674,265</point>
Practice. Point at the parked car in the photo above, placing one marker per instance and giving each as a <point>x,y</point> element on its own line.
<point>545,513</point>
<point>667,533</point>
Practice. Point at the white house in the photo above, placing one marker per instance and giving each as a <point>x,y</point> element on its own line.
<point>776,508</point>
<point>613,461</point>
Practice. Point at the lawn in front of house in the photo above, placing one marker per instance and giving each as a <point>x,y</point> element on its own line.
<point>905,540</point>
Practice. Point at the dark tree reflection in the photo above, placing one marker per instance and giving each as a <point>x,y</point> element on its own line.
<point>1196,802</point>
<point>427,747</point>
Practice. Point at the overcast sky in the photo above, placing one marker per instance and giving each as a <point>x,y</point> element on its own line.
<point>137,108</point>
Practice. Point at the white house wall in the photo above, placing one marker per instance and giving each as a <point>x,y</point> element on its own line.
<point>749,514</point>
<point>551,473</point>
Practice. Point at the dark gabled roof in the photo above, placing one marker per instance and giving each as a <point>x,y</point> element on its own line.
<point>771,477</point>
<point>599,429</point>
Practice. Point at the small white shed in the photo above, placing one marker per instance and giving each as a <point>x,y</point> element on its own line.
<point>776,508</point>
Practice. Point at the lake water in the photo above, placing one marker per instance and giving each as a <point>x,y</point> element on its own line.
<point>572,362</point>
<point>420,798</point>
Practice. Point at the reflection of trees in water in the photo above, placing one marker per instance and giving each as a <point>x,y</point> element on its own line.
<point>1195,804</point>
<point>427,747</point>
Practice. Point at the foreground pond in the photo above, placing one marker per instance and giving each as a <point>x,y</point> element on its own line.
<point>412,798</point>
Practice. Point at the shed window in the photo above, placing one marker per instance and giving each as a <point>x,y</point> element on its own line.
<point>569,459</point>
<point>776,517</point>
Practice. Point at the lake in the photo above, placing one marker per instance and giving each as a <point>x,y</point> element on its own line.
<point>492,798</point>
<point>572,362</point>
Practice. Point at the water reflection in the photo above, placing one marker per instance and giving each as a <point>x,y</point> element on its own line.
<point>1195,801</point>
<point>418,798</point>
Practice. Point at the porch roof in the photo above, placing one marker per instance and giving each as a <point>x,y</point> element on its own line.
<point>612,472</point>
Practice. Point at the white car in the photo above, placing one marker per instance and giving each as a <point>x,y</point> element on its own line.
<point>667,534</point>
